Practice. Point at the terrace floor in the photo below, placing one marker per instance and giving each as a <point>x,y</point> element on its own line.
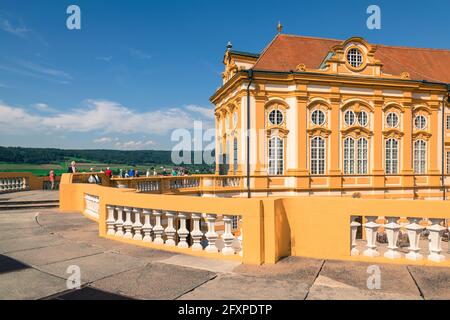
<point>38,246</point>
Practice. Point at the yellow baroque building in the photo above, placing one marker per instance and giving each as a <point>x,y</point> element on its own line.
<point>312,116</point>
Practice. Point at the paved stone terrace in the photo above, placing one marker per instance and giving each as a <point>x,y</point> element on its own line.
<point>36,248</point>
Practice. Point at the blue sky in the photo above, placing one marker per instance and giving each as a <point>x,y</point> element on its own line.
<point>137,70</point>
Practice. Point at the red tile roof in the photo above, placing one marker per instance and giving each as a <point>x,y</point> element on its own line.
<point>286,52</point>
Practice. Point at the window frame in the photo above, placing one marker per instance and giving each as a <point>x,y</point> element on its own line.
<point>345,118</point>
<point>276,118</point>
<point>397,123</point>
<point>318,111</point>
<point>274,158</point>
<point>318,162</point>
<point>420,156</point>
<point>393,159</point>
<point>420,116</point>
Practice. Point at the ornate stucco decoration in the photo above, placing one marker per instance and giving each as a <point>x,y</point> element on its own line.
<point>319,131</point>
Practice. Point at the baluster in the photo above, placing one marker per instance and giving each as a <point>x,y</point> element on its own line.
<point>170,230</point>
<point>353,230</point>
<point>211,235</point>
<point>128,225</point>
<point>183,232</point>
<point>392,231</point>
<point>196,233</point>
<point>371,236</point>
<point>110,221</point>
<point>147,227</point>
<point>119,222</point>
<point>158,228</point>
<point>227,236</point>
<point>137,226</point>
<point>436,231</point>
<point>241,250</point>
<point>414,230</point>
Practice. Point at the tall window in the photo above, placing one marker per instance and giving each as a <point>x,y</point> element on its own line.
<point>349,156</point>
<point>317,155</point>
<point>448,122</point>
<point>361,156</point>
<point>235,155</point>
<point>276,151</point>
<point>360,153</point>
<point>448,162</point>
<point>420,154</point>
<point>391,156</point>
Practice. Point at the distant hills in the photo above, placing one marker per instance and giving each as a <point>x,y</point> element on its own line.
<point>51,155</point>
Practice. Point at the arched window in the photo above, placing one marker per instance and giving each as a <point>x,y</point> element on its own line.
<point>276,156</point>
<point>317,155</point>
<point>349,156</point>
<point>235,155</point>
<point>420,154</point>
<point>391,156</point>
<point>362,156</point>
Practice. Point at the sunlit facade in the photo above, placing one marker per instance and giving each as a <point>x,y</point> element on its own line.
<point>330,117</point>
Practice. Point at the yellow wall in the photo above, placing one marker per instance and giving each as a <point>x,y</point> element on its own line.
<point>272,227</point>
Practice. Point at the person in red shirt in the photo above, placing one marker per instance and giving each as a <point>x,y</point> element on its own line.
<point>52,179</point>
<point>108,172</point>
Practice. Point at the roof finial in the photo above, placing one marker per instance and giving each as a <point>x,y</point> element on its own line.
<point>279,27</point>
<point>229,46</point>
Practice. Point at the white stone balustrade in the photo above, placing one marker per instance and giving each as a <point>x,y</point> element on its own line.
<point>128,224</point>
<point>91,206</point>
<point>436,231</point>
<point>148,186</point>
<point>392,228</point>
<point>371,228</point>
<point>414,230</point>
<point>119,222</point>
<point>353,230</point>
<point>170,228</point>
<point>137,225</point>
<point>110,221</point>
<point>14,184</point>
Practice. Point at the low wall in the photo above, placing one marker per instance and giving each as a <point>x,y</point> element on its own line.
<point>23,181</point>
<point>272,228</point>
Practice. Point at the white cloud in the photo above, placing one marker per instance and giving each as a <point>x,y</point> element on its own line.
<point>43,69</point>
<point>103,140</point>
<point>43,107</point>
<point>134,145</point>
<point>99,115</point>
<point>206,112</point>
<point>140,54</point>
<point>17,30</point>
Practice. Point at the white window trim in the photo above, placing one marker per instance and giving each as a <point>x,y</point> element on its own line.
<point>275,159</point>
<point>317,159</point>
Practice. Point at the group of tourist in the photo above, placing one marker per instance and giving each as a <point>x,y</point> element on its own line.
<point>133,172</point>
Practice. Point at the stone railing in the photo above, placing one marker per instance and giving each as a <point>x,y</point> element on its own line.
<point>14,184</point>
<point>92,206</point>
<point>189,231</point>
<point>368,230</point>
<point>411,238</point>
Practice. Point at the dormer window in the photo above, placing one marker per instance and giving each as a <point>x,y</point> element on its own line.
<point>354,57</point>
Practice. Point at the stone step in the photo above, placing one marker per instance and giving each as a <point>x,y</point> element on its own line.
<point>4,207</point>
<point>24,202</point>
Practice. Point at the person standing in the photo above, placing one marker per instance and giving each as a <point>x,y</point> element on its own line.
<point>72,168</point>
<point>52,179</point>
<point>108,173</point>
<point>131,173</point>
